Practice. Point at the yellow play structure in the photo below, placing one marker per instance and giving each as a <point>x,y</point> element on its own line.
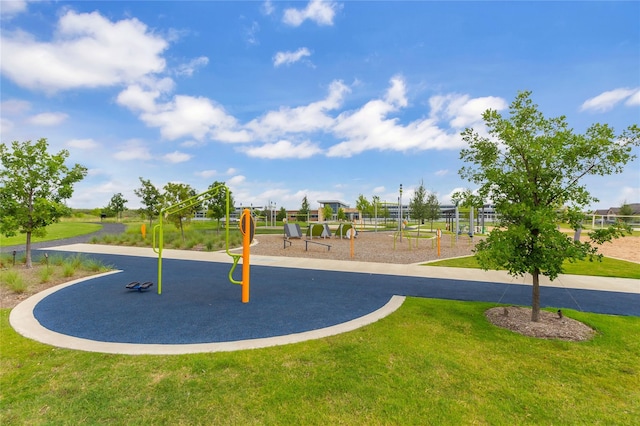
<point>247,228</point>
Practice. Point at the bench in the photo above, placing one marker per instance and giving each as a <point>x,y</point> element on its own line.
<point>306,244</point>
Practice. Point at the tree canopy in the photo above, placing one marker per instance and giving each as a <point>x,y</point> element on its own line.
<point>116,205</point>
<point>151,199</point>
<point>418,205</point>
<point>175,193</point>
<point>33,187</point>
<point>303,213</point>
<point>530,168</point>
<point>217,205</point>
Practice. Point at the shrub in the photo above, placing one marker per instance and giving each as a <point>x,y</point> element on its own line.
<point>68,270</point>
<point>45,274</point>
<point>13,280</point>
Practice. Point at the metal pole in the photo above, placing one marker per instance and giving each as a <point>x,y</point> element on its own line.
<point>400,213</point>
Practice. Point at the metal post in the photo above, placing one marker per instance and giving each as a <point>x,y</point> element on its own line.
<point>400,213</point>
<point>375,214</point>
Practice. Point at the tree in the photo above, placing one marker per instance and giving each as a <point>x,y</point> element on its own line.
<point>116,205</point>
<point>303,213</point>
<point>363,205</point>
<point>151,199</point>
<point>175,193</point>
<point>33,187</point>
<point>466,198</point>
<point>432,208</point>
<point>282,214</point>
<point>530,168</point>
<point>327,212</point>
<point>626,211</point>
<point>217,205</point>
<point>341,214</point>
<point>418,205</point>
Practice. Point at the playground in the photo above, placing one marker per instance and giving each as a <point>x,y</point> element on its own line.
<point>379,247</point>
<point>331,283</point>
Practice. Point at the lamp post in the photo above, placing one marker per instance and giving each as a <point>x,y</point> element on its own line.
<point>400,213</point>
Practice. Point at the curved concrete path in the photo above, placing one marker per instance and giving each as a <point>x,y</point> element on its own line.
<point>292,300</point>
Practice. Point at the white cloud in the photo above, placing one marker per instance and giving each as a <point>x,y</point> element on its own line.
<point>607,100</point>
<point>176,157</point>
<point>319,11</point>
<point>206,173</point>
<point>369,128</point>
<point>133,150</point>
<point>83,144</point>
<point>283,149</point>
<point>629,194</point>
<point>142,96</point>
<point>302,119</point>
<point>446,199</point>
<point>189,68</point>
<point>236,180</point>
<point>6,126</point>
<point>251,33</point>
<point>47,119</point>
<point>14,107</point>
<point>633,100</point>
<point>88,50</point>
<point>441,172</point>
<point>188,116</point>
<point>287,58</point>
<point>462,110</point>
<point>379,190</point>
<point>397,93</point>
<point>9,9</point>
<point>268,8</point>
<point>231,171</point>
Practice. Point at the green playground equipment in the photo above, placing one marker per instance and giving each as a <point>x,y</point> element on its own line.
<point>185,204</point>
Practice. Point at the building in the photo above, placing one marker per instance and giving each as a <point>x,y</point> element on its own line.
<point>336,205</point>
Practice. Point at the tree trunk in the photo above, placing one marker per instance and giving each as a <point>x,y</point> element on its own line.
<point>535,296</point>
<point>28,251</point>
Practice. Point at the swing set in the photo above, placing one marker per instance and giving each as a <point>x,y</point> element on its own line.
<point>247,228</point>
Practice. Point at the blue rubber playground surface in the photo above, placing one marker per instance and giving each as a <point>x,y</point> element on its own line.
<point>198,304</point>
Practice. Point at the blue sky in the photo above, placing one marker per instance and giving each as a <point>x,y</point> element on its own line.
<point>322,99</point>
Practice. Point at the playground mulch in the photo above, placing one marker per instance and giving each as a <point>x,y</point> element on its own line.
<point>378,247</point>
<point>382,247</point>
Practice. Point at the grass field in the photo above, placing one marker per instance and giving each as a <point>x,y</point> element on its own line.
<point>607,268</point>
<point>55,231</point>
<point>431,362</point>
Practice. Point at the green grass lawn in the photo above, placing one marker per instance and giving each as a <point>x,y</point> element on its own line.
<point>55,231</point>
<point>431,362</point>
<point>607,268</point>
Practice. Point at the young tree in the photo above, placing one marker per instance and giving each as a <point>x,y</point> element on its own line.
<point>363,206</point>
<point>432,208</point>
<point>418,205</point>
<point>175,193</point>
<point>626,211</point>
<point>116,205</point>
<point>327,212</point>
<point>33,187</point>
<point>217,206</point>
<point>303,213</point>
<point>530,168</point>
<point>151,199</point>
<point>282,214</point>
<point>341,214</point>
